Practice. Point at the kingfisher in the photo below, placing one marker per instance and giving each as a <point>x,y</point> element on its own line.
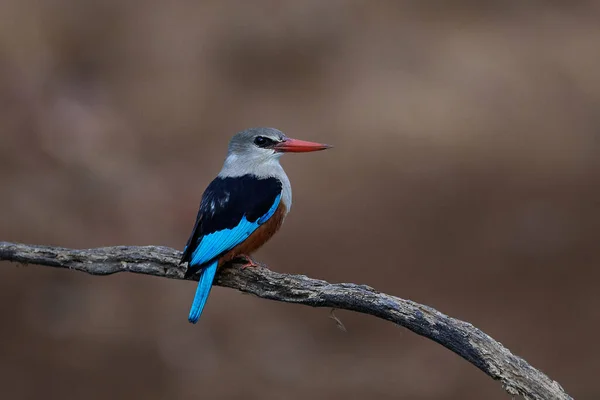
<point>242,208</point>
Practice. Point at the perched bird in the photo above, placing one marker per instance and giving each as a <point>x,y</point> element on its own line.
<point>242,207</point>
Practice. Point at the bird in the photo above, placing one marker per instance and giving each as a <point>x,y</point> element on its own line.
<point>242,208</point>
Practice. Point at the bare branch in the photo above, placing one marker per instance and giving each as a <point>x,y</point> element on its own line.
<point>515,374</point>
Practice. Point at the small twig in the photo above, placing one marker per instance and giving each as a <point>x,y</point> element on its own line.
<point>338,322</point>
<point>515,374</point>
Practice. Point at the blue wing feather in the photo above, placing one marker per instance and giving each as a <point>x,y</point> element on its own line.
<point>230,211</point>
<point>217,243</point>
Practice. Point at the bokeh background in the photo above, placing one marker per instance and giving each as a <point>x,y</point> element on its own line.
<point>464,176</point>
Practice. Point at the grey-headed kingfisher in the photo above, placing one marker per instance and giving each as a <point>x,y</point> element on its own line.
<point>242,208</point>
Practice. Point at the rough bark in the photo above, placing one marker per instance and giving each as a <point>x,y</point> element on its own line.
<point>515,374</point>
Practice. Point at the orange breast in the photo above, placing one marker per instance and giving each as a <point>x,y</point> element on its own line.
<point>259,237</point>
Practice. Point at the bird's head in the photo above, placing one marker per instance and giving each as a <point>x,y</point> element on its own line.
<point>266,144</point>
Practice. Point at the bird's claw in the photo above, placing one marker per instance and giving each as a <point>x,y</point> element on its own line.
<point>249,262</point>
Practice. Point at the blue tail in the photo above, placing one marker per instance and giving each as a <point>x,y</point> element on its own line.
<point>207,276</point>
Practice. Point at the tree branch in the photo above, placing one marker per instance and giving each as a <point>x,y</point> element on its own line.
<point>515,374</point>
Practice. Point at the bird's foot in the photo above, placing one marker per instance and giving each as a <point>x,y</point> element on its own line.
<point>248,261</point>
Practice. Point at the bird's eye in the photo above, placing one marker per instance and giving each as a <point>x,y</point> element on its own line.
<point>262,141</point>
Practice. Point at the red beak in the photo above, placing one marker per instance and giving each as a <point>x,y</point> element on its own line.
<point>299,146</point>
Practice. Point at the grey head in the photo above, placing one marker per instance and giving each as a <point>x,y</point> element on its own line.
<point>257,143</point>
<point>253,151</point>
<point>257,151</point>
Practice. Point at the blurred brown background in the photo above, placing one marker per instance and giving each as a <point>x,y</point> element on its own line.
<point>464,176</point>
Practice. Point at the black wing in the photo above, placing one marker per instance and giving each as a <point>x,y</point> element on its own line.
<point>225,201</point>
